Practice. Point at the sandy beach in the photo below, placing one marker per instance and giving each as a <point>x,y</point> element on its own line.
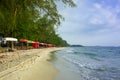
<point>30,64</point>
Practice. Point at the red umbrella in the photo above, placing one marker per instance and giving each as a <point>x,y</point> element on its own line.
<point>23,40</point>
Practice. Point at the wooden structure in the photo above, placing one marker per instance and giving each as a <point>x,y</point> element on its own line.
<point>11,41</point>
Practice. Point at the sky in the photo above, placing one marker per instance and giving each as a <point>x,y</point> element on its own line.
<point>91,23</point>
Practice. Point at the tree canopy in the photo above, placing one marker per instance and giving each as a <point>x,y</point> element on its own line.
<point>32,19</point>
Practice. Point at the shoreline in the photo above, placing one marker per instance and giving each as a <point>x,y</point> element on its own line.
<point>34,65</point>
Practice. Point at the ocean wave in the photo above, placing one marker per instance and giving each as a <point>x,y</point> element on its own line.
<point>90,55</point>
<point>73,60</point>
<point>85,53</point>
<point>92,63</point>
<point>69,51</point>
<point>85,64</point>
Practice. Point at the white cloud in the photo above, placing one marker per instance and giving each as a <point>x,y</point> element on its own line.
<point>105,14</point>
<point>96,19</point>
<point>91,24</point>
<point>97,6</point>
<point>117,9</point>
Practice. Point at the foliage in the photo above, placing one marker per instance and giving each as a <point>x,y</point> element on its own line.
<point>32,19</point>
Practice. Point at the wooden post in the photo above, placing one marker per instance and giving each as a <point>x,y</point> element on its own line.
<point>12,45</point>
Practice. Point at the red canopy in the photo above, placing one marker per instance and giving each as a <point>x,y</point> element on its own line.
<point>49,45</point>
<point>23,40</point>
<point>35,45</point>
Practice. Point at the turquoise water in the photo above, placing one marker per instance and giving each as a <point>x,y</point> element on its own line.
<point>88,63</point>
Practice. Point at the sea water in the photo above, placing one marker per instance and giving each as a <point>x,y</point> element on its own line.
<point>88,63</point>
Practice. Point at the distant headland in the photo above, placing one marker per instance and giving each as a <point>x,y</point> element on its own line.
<point>76,46</point>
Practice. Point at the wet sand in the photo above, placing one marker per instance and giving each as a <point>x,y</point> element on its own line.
<point>27,65</point>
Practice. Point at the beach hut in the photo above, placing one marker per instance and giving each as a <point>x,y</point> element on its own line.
<point>48,45</point>
<point>10,40</point>
<point>43,45</point>
<point>31,44</point>
<point>23,43</point>
<point>35,45</point>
